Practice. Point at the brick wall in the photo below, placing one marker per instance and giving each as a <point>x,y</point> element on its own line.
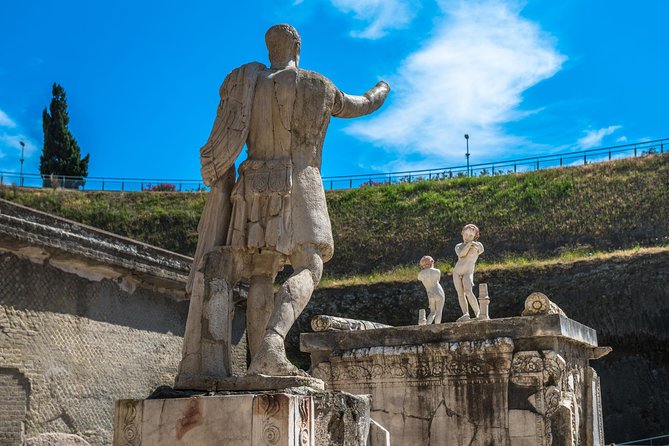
<point>81,345</point>
<point>13,391</point>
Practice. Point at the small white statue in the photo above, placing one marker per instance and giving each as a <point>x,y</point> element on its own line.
<point>430,276</point>
<point>463,274</point>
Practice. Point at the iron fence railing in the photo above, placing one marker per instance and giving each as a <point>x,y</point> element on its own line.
<point>501,167</point>
<point>354,181</point>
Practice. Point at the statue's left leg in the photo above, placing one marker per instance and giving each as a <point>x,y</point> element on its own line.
<point>289,302</point>
<point>260,302</point>
<point>433,309</point>
<point>440,309</point>
<point>468,282</point>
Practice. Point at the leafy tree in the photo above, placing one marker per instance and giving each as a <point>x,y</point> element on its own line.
<point>61,155</point>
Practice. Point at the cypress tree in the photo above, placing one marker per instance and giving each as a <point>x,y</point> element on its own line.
<point>61,155</point>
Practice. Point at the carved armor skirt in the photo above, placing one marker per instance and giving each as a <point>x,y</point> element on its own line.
<point>261,207</point>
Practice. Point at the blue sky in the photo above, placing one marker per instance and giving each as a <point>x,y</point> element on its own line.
<point>522,78</point>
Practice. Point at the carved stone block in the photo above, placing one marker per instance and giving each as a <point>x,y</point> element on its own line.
<point>521,381</point>
<point>234,420</point>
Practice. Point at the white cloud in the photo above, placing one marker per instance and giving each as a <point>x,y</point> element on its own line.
<point>14,141</point>
<point>381,16</point>
<point>622,139</point>
<point>593,138</point>
<point>468,78</point>
<point>5,121</point>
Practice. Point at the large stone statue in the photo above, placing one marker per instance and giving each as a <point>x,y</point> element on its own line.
<point>275,212</point>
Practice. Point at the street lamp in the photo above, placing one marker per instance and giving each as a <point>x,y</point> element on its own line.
<point>23,145</point>
<point>467,154</point>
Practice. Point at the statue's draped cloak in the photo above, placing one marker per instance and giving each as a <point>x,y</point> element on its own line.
<point>304,216</point>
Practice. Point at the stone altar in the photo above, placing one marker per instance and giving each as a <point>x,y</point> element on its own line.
<point>520,381</point>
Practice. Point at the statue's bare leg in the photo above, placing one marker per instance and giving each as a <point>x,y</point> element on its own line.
<point>439,310</point>
<point>288,304</point>
<point>468,282</point>
<point>259,308</point>
<point>462,300</point>
<point>433,310</point>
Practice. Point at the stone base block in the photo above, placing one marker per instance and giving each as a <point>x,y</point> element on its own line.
<point>244,419</point>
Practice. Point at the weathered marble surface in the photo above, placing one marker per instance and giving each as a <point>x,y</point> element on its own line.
<point>274,213</point>
<point>324,322</point>
<point>513,381</point>
<point>468,253</point>
<point>296,418</point>
<point>539,303</point>
<point>430,277</point>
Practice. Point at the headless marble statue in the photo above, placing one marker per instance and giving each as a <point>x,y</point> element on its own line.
<point>275,212</point>
<point>463,274</point>
<point>430,277</point>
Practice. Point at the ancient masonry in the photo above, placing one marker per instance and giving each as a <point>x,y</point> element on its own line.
<point>86,317</point>
<point>517,381</point>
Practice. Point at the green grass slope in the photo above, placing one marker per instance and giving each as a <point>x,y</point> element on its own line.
<point>605,206</point>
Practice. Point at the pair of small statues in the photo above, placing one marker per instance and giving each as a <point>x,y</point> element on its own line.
<point>468,253</point>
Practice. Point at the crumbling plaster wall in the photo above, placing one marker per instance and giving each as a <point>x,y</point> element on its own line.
<point>80,345</point>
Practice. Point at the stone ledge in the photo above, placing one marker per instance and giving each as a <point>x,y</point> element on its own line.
<point>516,328</point>
<point>88,251</point>
<point>247,383</point>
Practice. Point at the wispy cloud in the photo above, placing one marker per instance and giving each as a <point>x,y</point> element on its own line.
<point>6,121</point>
<point>468,78</point>
<point>379,16</point>
<point>11,136</point>
<point>594,138</point>
<point>14,142</point>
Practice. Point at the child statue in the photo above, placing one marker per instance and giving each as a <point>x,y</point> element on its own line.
<point>430,276</point>
<point>463,274</point>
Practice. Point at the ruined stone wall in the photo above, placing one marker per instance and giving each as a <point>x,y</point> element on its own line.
<point>625,299</point>
<point>73,346</point>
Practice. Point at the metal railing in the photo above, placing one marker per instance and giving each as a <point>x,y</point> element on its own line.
<point>354,181</point>
<point>662,440</point>
<point>501,167</point>
<point>102,183</point>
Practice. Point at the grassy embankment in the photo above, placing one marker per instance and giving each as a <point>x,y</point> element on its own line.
<point>380,232</point>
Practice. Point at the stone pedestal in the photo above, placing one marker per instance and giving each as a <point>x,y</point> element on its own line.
<point>521,381</point>
<point>244,419</point>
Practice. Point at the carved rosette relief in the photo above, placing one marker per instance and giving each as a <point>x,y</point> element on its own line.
<point>127,431</point>
<point>425,362</point>
<point>280,419</point>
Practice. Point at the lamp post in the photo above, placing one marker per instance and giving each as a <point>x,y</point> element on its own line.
<point>467,154</point>
<point>23,145</point>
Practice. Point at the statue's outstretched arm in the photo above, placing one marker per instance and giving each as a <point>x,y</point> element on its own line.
<point>348,106</point>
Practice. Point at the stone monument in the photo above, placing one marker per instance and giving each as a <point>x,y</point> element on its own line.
<point>463,274</point>
<point>273,214</point>
<point>430,277</point>
<point>517,381</point>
